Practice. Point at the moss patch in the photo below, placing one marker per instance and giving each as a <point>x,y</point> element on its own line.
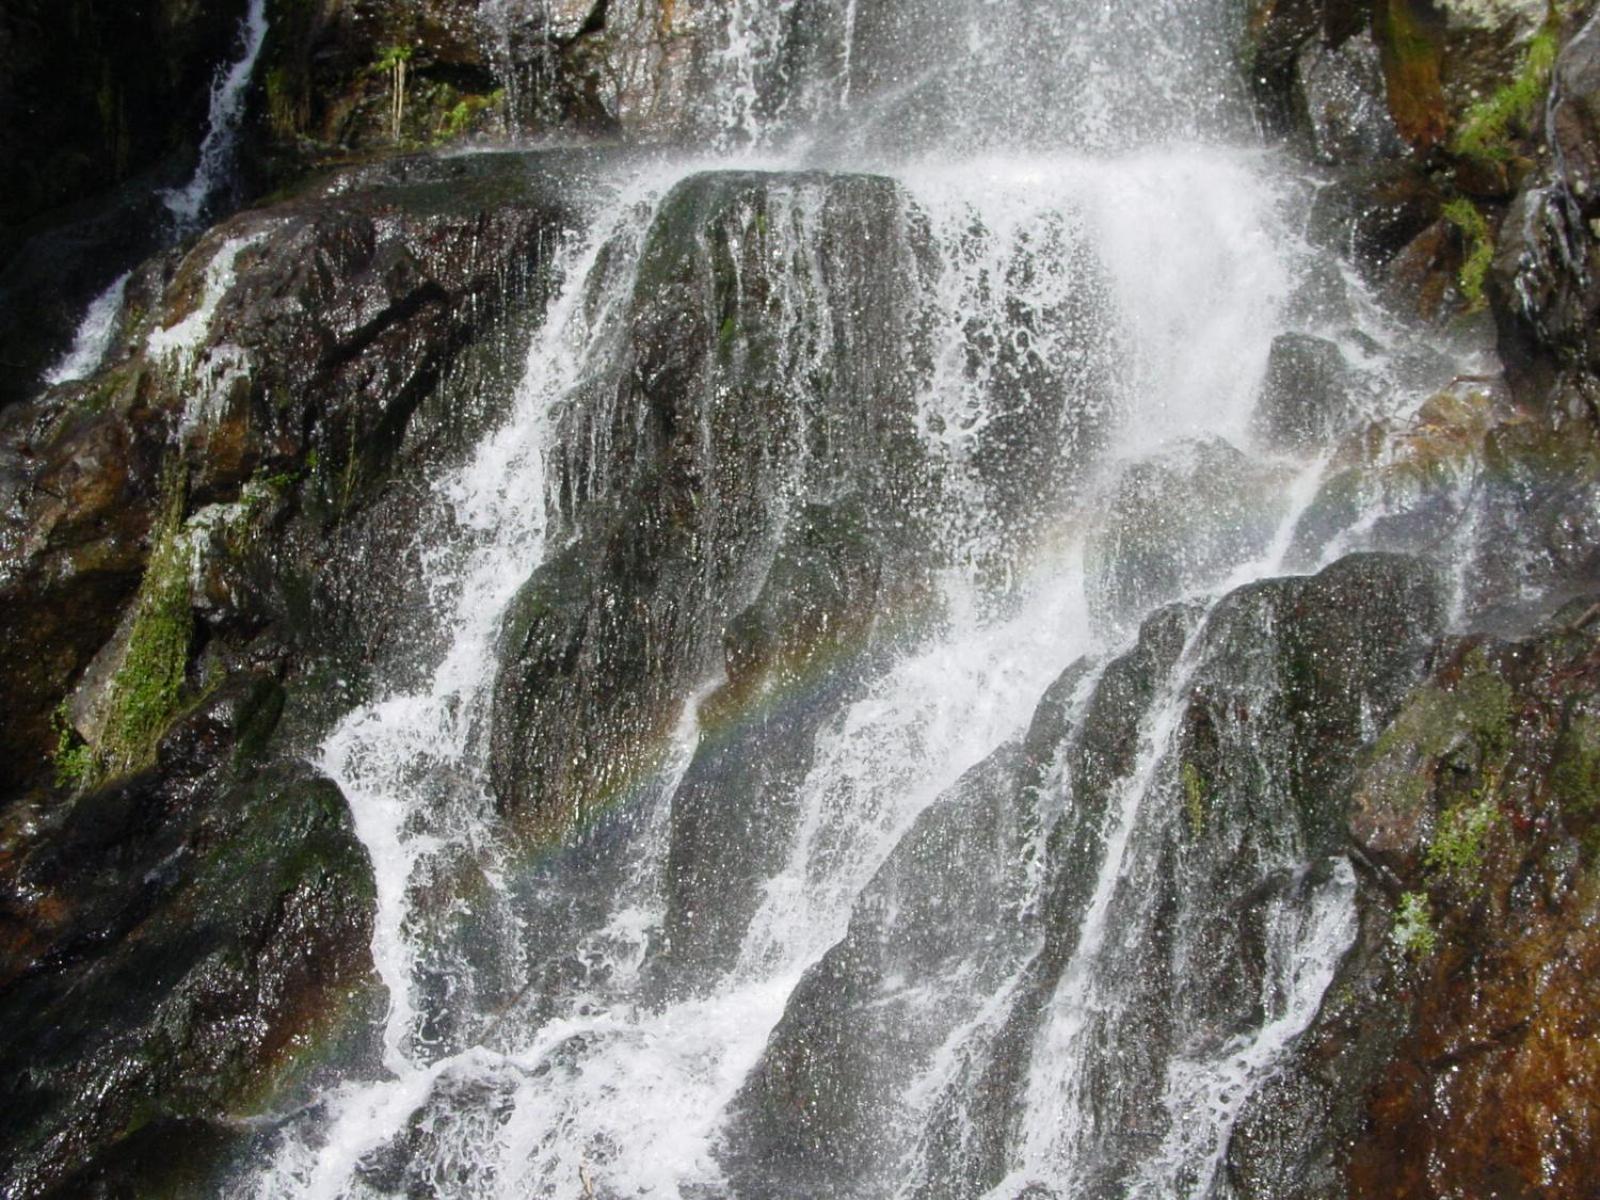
<point>1575,775</point>
<point>1413,930</point>
<point>146,690</point>
<point>1459,847</point>
<point>1194,799</point>
<point>1478,253</point>
<point>1487,128</point>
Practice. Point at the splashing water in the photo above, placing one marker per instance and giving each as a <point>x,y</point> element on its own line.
<point>1067,315</point>
<point>96,331</point>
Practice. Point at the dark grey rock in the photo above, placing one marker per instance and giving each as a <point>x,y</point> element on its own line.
<point>1306,399</point>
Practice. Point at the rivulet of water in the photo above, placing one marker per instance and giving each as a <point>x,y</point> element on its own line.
<point>188,203</point>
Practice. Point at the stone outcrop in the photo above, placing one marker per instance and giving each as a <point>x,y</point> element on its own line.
<point>213,539</point>
<point>1454,1052</point>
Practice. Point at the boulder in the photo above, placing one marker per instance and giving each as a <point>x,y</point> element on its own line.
<point>1177,523</point>
<point>1306,400</point>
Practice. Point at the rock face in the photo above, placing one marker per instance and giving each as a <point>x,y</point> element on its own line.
<point>1454,1051</point>
<point>90,131</point>
<point>696,445</point>
<point>1153,547</point>
<point>1236,808</point>
<point>293,395</point>
<point>210,534</point>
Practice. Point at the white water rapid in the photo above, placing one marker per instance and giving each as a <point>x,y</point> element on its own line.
<point>1097,263</point>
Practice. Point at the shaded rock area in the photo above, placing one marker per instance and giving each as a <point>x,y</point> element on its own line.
<point>214,539</point>
<point>1456,1052</point>
<point>294,396</point>
<point>103,103</point>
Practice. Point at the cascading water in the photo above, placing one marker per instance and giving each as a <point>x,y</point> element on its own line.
<point>188,203</point>
<point>94,337</point>
<point>857,927</point>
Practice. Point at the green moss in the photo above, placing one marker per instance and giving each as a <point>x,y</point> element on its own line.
<point>1459,846</point>
<point>73,759</point>
<point>145,692</point>
<point>729,330</point>
<point>389,59</point>
<point>1487,128</point>
<point>1413,930</point>
<point>1575,774</point>
<point>1194,799</point>
<point>1484,700</point>
<point>459,118</point>
<point>284,110</point>
<point>1479,243</point>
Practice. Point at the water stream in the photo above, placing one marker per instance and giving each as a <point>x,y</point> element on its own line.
<point>1092,297</point>
<point>188,203</point>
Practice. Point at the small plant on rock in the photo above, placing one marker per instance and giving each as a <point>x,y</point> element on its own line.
<point>1413,930</point>
<point>393,60</point>
<point>1479,249</point>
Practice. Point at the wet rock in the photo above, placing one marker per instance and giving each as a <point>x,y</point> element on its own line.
<point>1423,277</point>
<point>1347,113</point>
<point>824,1104</point>
<point>1279,33</point>
<point>1306,399</point>
<point>1534,542</point>
<point>178,954</point>
<point>300,354</point>
<point>1451,1053</point>
<point>1416,479</point>
<point>795,658</point>
<point>1174,524</point>
<point>1369,213</point>
<point>1236,838</point>
<point>677,463</point>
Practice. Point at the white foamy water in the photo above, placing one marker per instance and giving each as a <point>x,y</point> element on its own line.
<point>94,336</point>
<point>188,203</point>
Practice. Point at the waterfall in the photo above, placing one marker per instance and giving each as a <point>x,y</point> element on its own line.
<point>188,203</point>
<point>94,336</point>
<point>999,284</point>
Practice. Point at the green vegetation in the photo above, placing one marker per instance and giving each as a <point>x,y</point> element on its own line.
<point>1413,930</point>
<point>393,60</point>
<point>390,58</point>
<point>1457,850</point>
<point>73,759</point>
<point>285,110</point>
<point>1486,131</point>
<point>1479,704</point>
<point>1575,775</point>
<point>458,119</point>
<point>1479,249</point>
<point>144,694</point>
<point>1194,799</point>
